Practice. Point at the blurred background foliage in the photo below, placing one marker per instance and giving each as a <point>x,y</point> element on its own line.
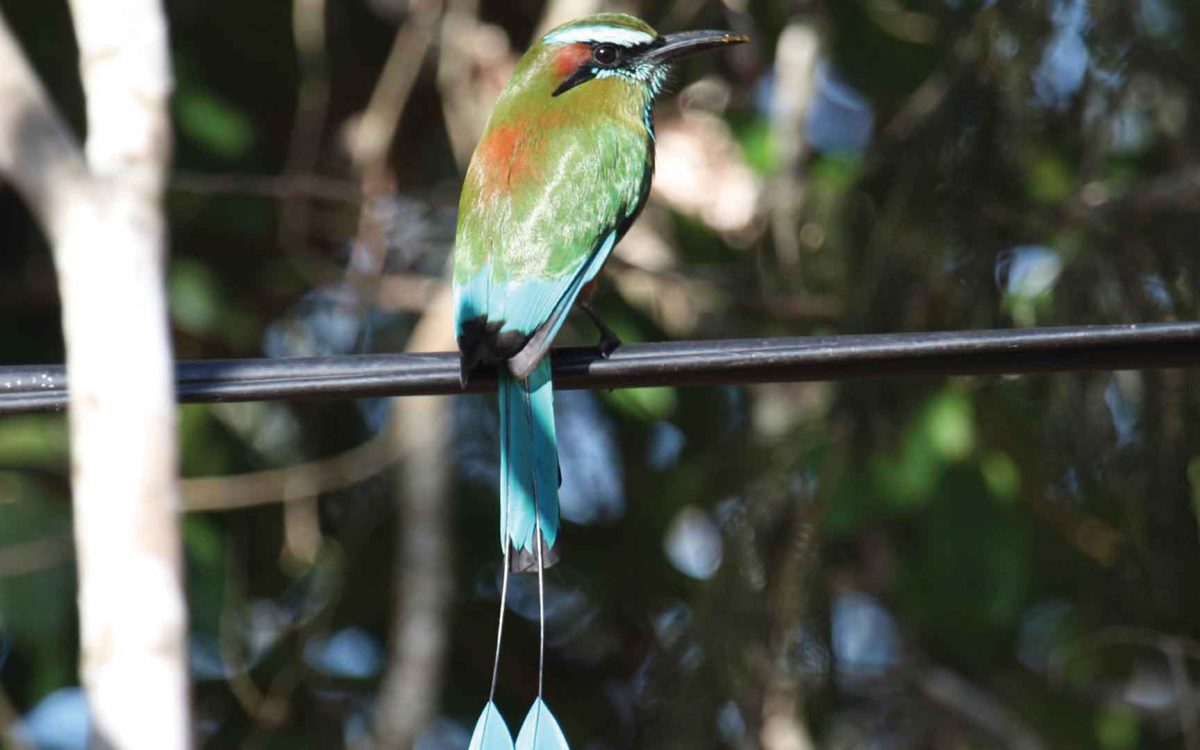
<point>974,562</point>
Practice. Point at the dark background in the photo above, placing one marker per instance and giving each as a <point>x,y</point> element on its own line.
<point>968,562</point>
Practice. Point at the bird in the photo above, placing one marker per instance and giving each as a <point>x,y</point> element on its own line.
<point>561,171</point>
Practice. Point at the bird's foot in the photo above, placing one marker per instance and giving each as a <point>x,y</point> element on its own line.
<point>609,340</point>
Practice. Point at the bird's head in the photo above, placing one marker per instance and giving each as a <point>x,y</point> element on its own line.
<point>615,45</point>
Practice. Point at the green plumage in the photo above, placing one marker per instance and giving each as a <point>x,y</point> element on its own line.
<point>552,175</point>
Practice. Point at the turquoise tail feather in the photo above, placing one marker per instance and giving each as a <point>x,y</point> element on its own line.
<point>540,730</point>
<point>528,468</point>
<point>491,733</point>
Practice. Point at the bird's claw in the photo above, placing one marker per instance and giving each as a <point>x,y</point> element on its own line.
<point>609,342</point>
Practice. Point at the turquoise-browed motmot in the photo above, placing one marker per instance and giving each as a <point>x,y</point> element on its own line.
<point>562,170</point>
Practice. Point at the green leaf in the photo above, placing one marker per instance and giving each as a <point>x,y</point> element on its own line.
<point>212,123</point>
<point>1002,475</point>
<point>950,422</point>
<point>942,434</point>
<point>648,404</point>
<point>194,296</point>
<point>34,441</point>
<point>757,146</point>
<point>1049,178</point>
<point>968,573</point>
<point>1117,728</point>
<point>37,590</point>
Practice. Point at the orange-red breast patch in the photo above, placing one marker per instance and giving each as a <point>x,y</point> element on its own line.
<point>505,159</point>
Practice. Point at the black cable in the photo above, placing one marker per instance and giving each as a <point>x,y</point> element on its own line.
<point>28,388</point>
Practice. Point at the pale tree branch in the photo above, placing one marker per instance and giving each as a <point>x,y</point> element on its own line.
<point>312,105</point>
<point>474,59</point>
<point>795,68</point>
<point>282,187</point>
<point>104,218</point>
<point>376,127</point>
<point>419,427</point>
<point>38,155</point>
<point>976,706</point>
<point>293,483</point>
<point>420,432</point>
<point>560,11</point>
<point>370,138</point>
<point>783,724</point>
<point>9,723</point>
<point>454,78</point>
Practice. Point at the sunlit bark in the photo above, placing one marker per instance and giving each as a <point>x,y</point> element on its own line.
<point>101,210</point>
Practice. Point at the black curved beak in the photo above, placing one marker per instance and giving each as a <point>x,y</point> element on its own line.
<point>671,47</point>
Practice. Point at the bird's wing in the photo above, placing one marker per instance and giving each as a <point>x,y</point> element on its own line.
<point>524,254</point>
<point>524,361</point>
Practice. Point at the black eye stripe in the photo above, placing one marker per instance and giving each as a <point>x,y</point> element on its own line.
<point>611,55</point>
<point>624,58</point>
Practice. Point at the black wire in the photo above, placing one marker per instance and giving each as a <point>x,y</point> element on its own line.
<point>30,388</point>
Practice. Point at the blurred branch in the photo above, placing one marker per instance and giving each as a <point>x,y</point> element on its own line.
<point>796,58</point>
<point>560,11</point>
<point>809,307</point>
<point>783,726</point>
<point>681,13</point>
<point>106,228</point>
<point>408,696</point>
<point>1124,635</point>
<point>312,102</point>
<point>10,725</point>
<point>903,24</point>
<point>701,170</point>
<point>372,135</point>
<point>412,682</point>
<point>38,154</point>
<point>465,115</point>
<point>307,480</point>
<point>268,186</point>
<point>268,709</point>
<point>970,702</point>
<point>1174,192</point>
<point>917,108</point>
<point>34,556</point>
<point>233,661</point>
<point>376,127</point>
<point>1189,716</point>
<point>475,60</point>
<point>1091,536</point>
<point>679,299</point>
<point>1176,650</point>
<point>396,292</point>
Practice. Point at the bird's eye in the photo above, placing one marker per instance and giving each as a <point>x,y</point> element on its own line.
<point>605,54</point>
